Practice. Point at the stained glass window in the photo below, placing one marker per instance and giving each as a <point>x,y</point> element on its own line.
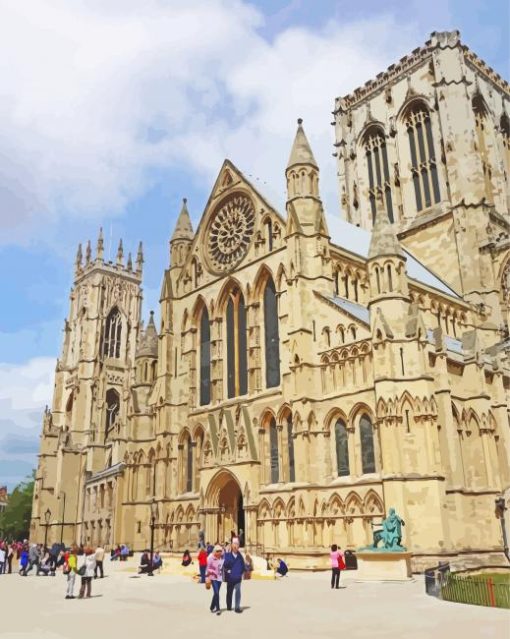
<point>272,339</point>
<point>342,448</point>
<point>367,445</point>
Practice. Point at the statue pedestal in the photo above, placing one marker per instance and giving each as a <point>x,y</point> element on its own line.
<point>383,566</point>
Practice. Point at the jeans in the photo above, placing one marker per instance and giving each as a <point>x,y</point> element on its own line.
<point>215,603</point>
<point>99,567</point>
<point>86,584</point>
<point>71,578</point>
<point>335,577</point>
<point>231,588</point>
<point>202,574</point>
<point>2,567</point>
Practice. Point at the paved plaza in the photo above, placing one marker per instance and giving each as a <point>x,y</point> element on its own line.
<point>302,605</point>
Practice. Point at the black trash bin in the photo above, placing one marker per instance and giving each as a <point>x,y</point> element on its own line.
<point>434,578</point>
<point>351,561</point>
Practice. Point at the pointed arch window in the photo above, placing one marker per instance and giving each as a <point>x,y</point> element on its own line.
<point>205,358</point>
<point>423,157</point>
<point>112,334</point>
<point>189,464</point>
<point>367,445</point>
<point>290,447</point>
<point>237,360</point>
<point>271,335</point>
<point>112,411</point>
<point>274,457</point>
<point>379,183</point>
<point>504,125</point>
<point>342,448</point>
<point>481,127</point>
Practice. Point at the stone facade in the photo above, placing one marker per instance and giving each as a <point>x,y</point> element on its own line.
<point>300,383</point>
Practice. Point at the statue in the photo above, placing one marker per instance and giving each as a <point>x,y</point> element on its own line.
<point>390,534</point>
<point>201,539</point>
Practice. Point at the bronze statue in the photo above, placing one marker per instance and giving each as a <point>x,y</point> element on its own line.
<point>390,534</point>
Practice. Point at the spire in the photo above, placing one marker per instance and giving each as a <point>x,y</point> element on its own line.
<point>88,253</point>
<point>384,240</point>
<point>129,262</point>
<point>183,228</point>
<point>79,257</point>
<point>120,254</point>
<point>301,152</point>
<point>100,245</point>
<point>139,259</point>
<point>148,343</point>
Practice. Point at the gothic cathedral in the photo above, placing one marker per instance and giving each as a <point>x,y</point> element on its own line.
<point>302,380</point>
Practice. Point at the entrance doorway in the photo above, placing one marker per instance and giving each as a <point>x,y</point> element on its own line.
<point>226,495</point>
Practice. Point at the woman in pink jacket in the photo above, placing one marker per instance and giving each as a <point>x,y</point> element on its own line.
<point>214,570</point>
<point>337,561</point>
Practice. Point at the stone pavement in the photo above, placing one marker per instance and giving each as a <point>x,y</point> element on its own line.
<point>301,605</point>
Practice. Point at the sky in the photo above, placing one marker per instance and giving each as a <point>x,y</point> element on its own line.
<point>112,111</point>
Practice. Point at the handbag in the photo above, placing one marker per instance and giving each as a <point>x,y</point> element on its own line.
<point>208,584</point>
<point>341,562</point>
<point>81,571</point>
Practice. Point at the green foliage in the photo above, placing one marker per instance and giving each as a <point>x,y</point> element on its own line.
<point>15,520</point>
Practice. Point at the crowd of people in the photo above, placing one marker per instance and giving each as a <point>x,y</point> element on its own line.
<point>218,564</point>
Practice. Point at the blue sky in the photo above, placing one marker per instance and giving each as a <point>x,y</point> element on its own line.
<point>109,115</point>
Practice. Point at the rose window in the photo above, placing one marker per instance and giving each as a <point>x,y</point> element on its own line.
<point>230,232</point>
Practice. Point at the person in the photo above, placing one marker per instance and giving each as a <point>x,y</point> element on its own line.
<point>99,562</point>
<point>23,561</point>
<point>210,548</point>
<point>202,564</point>
<point>269,563</point>
<point>157,562</point>
<point>115,553</point>
<point>233,569</point>
<point>336,558</point>
<point>186,559</point>
<point>124,552</point>
<point>10,555</point>
<point>248,562</point>
<point>281,567</point>
<point>2,559</point>
<point>241,537</point>
<point>70,568</point>
<point>34,557</point>
<point>88,568</point>
<point>144,563</point>
<point>214,572</point>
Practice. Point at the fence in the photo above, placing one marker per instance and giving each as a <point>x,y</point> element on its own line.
<point>480,591</point>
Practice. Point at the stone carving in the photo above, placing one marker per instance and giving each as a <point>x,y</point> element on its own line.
<point>390,534</point>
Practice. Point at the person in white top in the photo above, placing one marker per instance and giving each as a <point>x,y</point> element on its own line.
<point>99,561</point>
<point>2,559</point>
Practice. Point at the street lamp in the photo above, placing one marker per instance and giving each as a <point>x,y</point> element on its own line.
<point>47,517</point>
<point>154,516</point>
<point>500,514</point>
<point>63,516</point>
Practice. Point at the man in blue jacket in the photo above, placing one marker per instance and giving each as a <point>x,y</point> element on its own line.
<point>233,569</point>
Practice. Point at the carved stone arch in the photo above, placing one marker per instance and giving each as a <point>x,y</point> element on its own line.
<point>336,505</point>
<point>184,434</point>
<point>325,360</point>
<point>196,310</point>
<point>333,416</point>
<point>281,278</point>
<point>413,103</point>
<point>311,420</point>
<point>208,454</point>
<point>231,284</point>
<point>381,408</point>
<point>266,416</point>
<point>372,127</point>
<point>353,504</point>
<point>190,514</point>
<point>198,431</point>
<point>264,274</point>
<point>179,514</point>
<point>278,508</point>
<point>359,409</point>
<point>264,509</point>
<point>283,413</point>
<point>324,508</point>
<point>373,503</point>
<point>473,420</point>
<point>406,398</point>
<point>335,358</point>
<point>290,511</point>
<point>301,508</point>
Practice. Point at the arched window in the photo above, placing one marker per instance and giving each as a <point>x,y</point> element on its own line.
<point>112,410</point>
<point>367,445</point>
<point>112,334</point>
<point>273,452</point>
<point>504,125</point>
<point>205,358</point>
<point>271,335</point>
<point>189,464</point>
<point>290,445</point>
<point>342,449</point>
<point>379,183</point>
<point>423,157</point>
<point>269,234</point>
<point>237,362</point>
<point>481,124</point>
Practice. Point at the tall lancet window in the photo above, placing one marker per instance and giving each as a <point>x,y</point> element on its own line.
<point>342,448</point>
<point>290,447</point>
<point>379,183</point>
<point>271,335</point>
<point>367,445</point>
<point>423,156</point>
<point>205,358</point>
<point>112,334</point>
<point>112,411</point>
<point>189,464</point>
<point>237,358</point>
<point>481,125</point>
<point>274,459</point>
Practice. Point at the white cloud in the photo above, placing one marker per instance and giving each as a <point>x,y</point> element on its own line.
<point>95,94</point>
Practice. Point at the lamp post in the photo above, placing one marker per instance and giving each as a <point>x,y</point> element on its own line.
<point>47,517</point>
<point>154,516</point>
<point>63,516</point>
<point>500,514</point>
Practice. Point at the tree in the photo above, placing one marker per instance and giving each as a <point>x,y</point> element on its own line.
<point>15,520</point>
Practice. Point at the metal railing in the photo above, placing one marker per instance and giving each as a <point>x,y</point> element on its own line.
<point>479,591</point>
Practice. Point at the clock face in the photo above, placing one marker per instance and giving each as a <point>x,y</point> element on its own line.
<point>229,233</point>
